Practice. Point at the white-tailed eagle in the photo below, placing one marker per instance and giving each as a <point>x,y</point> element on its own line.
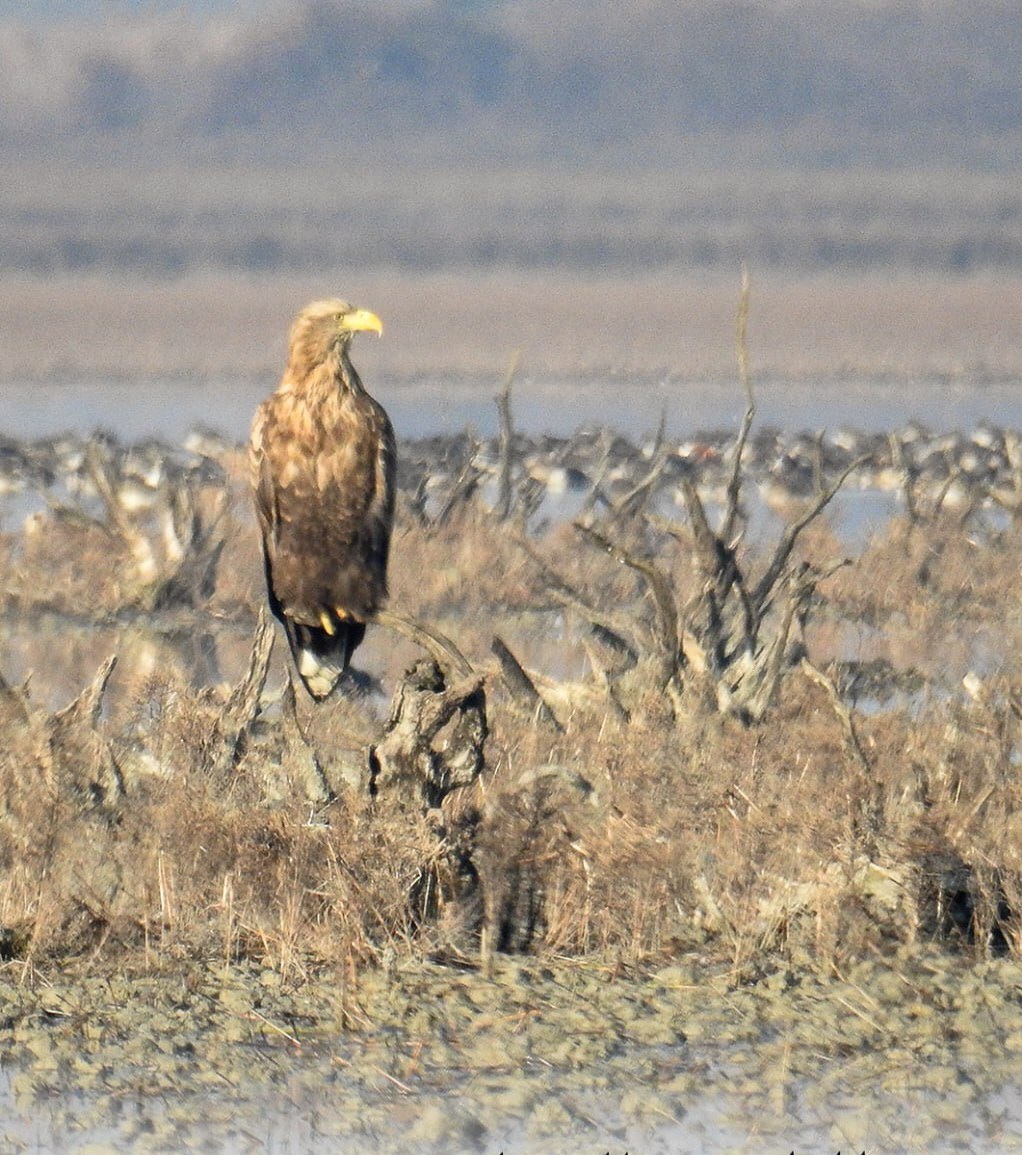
<point>322,461</point>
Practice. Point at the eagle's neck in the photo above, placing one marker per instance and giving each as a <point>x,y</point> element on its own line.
<point>322,381</point>
<point>344,372</point>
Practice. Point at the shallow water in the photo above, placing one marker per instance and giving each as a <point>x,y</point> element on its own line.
<point>839,1109</point>
<point>168,410</point>
<point>421,407</point>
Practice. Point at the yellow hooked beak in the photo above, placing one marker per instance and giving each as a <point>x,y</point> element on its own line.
<point>361,321</point>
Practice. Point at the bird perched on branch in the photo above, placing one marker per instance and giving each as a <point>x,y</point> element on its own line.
<point>322,461</point>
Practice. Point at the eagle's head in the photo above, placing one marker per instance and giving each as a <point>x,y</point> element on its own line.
<point>324,329</point>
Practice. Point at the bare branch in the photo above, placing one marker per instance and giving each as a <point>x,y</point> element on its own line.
<point>244,700</point>
<point>595,492</point>
<point>521,687</point>
<point>659,587</point>
<point>301,759</point>
<point>734,484</point>
<point>908,476</point>
<point>770,662</point>
<point>721,574</point>
<point>764,587</point>
<point>603,676</point>
<point>503,399</point>
<point>437,644</point>
<point>88,706</point>
<point>631,503</point>
<point>955,471</point>
<point>617,631</point>
<point>81,760</point>
<point>463,488</point>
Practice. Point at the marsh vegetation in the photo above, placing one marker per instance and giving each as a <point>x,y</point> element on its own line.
<point>698,738</point>
<point>657,775</point>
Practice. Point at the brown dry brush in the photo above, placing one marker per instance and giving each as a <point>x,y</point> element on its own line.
<point>187,833</point>
<point>201,823</point>
<point>873,871</point>
<point>175,544</point>
<point>134,529</point>
<point>181,783</point>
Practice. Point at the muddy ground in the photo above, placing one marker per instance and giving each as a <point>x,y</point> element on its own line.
<point>915,1053</point>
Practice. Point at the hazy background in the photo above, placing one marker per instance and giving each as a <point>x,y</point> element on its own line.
<point>813,84</point>
<point>582,178</point>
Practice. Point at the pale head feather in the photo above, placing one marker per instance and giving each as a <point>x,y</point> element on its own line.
<point>322,331</point>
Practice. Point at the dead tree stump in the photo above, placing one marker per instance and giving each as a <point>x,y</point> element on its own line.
<point>433,745</point>
<point>433,740</point>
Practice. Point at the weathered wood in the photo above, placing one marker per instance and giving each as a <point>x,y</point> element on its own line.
<point>731,640</point>
<point>433,741</point>
<point>301,760</point>
<point>507,436</point>
<point>81,759</point>
<point>429,638</point>
<point>432,746</point>
<point>242,708</point>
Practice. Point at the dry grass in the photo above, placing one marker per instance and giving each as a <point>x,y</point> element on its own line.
<point>636,828</point>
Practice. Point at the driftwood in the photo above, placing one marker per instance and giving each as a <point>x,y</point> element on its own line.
<point>65,750</point>
<point>301,761</point>
<point>464,487</point>
<point>80,759</point>
<point>738,632</point>
<point>442,649</point>
<point>633,502</point>
<point>617,631</point>
<point>432,745</point>
<point>176,546</point>
<point>507,436</point>
<point>1009,497</point>
<point>233,727</point>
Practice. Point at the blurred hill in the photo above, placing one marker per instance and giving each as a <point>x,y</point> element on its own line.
<point>836,80</point>
<point>481,132</point>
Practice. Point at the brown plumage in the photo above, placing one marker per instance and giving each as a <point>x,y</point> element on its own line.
<point>322,463</point>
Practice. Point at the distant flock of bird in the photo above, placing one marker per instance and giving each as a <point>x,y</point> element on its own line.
<point>975,468</point>
<point>55,469</point>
